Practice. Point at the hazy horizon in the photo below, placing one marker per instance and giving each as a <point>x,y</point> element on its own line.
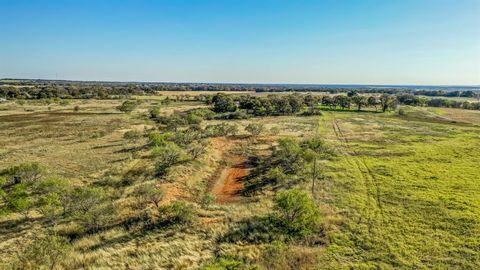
<point>350,42</point>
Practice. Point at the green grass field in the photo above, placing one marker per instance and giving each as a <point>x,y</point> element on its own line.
<point>407,192</point>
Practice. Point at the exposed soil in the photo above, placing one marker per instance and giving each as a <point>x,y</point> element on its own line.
<point>229,184</point>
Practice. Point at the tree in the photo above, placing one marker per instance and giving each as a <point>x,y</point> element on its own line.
<point>296,212</point>
<point>149,193</point>
<point>315,149</point>
<point>85,198</point>
<point>45,250</point>
<point>342,101</point>
<point>388,102</point>
<point>166,157</point>
<point>254,128</point>
<point>128,106</point>
<point>223,103</point>
<point>360,101</point>
<point>352,93</point>
<point>98,217</point>
<point>61,187</point>
<point>372,101</point>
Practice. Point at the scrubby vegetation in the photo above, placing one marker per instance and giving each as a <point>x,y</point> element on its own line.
<point>236,181</point>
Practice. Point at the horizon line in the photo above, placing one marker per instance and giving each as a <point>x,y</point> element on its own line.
<point>246,83</point>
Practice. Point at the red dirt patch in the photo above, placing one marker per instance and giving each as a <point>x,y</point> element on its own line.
<point>230,182</point>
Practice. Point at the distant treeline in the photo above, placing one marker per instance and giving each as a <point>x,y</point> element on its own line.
<point>359,97</point>
<point>38,89</point>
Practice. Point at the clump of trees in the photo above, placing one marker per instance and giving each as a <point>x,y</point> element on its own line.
<point>128,106</point>
<point>291,162</point>
<point>295,216</point>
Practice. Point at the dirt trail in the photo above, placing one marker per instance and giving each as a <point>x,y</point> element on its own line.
<point>373,208</point>
<point>229,184</point>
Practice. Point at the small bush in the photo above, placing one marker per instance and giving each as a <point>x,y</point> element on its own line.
<point>176,213</point>
<point>128,106</point>
<point>23,173</point>
<point>207,199</point>
<point>132,135</point>
<point>159,139</point>
<point>45,252</point>
<point>166,156</point>
<point>254,129</point>
<point>154,112</point>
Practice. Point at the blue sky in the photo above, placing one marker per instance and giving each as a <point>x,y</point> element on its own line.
<point>251,41</point>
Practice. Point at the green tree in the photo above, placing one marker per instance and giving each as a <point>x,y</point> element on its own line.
<point>62,187</point>
<point>149,193</point>
<point>166,156</point>
<point>297,213</point>
<point>360,101</point>
<point>388,102</point>
<point>372,101</point>
<point>45,251</point>
<point>223,103</point>
<point>128,106</point>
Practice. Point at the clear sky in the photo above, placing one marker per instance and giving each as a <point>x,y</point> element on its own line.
<point>252,41</point>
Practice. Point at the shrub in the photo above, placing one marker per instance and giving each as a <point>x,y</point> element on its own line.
<point>46,251</point>
<point>254,129</point>
<point>166,156</point>
<point>312,111</point>
<point>197,149</point>
<point>50,206</point>
<point>149,193</point>
<point>222,129</point>
<point>128,106</point>
<point>297,213</point>
<point>132,135</point>
<point>18,200</point>
<point>207,199</point>
<point>154,112</point>
<point>60,186</point>
<point>159,139</point>
<point>176,213</point>
<point>23,173</point>
<point>83,199</point>
<point>76,108</point>
<point>97,217</point>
